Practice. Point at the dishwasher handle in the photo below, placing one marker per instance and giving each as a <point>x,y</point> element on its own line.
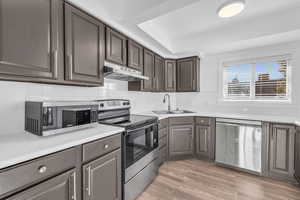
<point>238,122</point>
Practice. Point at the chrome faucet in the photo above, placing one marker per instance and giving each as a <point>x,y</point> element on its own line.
<point>169,102</point>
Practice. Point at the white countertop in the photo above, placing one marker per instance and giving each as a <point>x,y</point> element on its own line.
<point>18,148</point>
<point>266,118</point>
<point>25,146</point>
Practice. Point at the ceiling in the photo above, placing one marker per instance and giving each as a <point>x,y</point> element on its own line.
<point>179,28</point>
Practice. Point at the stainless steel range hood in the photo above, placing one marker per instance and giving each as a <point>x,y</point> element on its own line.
<point>122,73</point>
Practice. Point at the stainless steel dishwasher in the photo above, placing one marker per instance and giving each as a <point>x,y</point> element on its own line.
<point>238,143</point>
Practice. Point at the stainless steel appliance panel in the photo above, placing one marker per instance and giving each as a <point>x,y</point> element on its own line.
<point>135,186</point>
<point>134,169</point>
<point>238,144</point>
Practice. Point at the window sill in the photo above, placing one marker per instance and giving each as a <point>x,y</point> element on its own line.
<point>274,101</point>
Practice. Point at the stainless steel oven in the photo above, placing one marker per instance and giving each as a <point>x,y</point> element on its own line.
<point>139,142</point>
<point>139,145</point>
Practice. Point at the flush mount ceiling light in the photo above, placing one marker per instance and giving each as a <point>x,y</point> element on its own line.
<point>231,8</point>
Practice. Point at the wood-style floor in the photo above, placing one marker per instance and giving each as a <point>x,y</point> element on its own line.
<point>200,180</point>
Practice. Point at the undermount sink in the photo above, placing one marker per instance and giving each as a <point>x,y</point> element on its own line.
<point>166,112</point>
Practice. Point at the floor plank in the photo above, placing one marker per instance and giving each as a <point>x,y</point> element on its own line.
<point>201,180</point>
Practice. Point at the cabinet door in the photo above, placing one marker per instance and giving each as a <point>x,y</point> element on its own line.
<point>84,37</point>
<point>188,75</point>
<point>163,155</point>
<point>181,140</point>
<point>297,154</point>
<point>62,187</point>
<point>203,141</point>
<point>159,74</point>
<point>135,55</point>
<point>148,70</point>
<point>116,50</point>
<point>281,155</point>
<point>170,75</point>
<point>29,37</point>
<point>102,178</point>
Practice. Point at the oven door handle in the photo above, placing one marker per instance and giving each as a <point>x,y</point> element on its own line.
<point>138,129</point>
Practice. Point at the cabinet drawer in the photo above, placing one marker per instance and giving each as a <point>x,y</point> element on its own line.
<point>181,120</point>
<point>100,147</point>
<point>29,173</point>
<point>163,132</point>
<point>163,123</point>
<point>203,120</point>
<point>61,187</point>
<point>163,142</point>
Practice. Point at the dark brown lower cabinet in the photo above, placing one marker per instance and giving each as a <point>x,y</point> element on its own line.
<point>62,187</point>
<point>281,151</point>
<point>297,155</point>
<point>102,178</point>
<point>163,145</point>
<point>181,140</point>
<point>205,138</point>
<point>203,141</point>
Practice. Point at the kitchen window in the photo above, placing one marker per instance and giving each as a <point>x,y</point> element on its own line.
<point>258,79</point>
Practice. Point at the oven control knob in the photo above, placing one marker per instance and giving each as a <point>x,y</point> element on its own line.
<point>101,105</point>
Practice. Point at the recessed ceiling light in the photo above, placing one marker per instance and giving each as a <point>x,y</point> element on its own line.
<point>231,8</point>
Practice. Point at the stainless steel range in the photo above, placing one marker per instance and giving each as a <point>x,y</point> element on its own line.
<point>139,148</point>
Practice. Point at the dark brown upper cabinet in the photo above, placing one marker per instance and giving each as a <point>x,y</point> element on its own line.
<point>188,75</point>
<point>170,76</point>
<point>84,47</point>
<point>148,85</point>
<point>159,74</point>
<point>30,34</point>
<point>135,55</point>
<point>116,48</point>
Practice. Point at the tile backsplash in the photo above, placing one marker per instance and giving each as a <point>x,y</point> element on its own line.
<point>14,94</point>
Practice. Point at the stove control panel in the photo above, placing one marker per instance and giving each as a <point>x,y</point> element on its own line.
<point>113,104</point>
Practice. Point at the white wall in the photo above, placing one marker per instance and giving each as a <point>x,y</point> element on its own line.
<point>14,94</point>
<point>210,97</point>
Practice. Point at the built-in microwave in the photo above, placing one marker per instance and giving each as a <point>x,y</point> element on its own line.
<point>52,117</point>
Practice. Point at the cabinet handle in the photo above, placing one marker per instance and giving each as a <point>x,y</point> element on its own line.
<point>106,146</point>
<point>73,186</point>
<point>42,169</point>
<point>88,188</point>
<point>194,84</point>
<point>70,60</point>
<point>55,63</point>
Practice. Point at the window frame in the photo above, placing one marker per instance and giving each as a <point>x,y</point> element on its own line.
<point>252,97</point>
